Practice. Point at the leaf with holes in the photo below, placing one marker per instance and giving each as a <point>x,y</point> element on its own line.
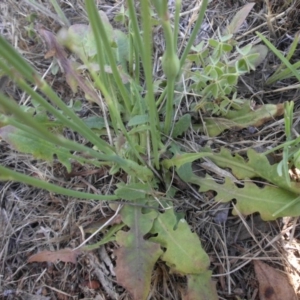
<point>270,201</point>
<point>256,166</point>
<point>267,200</point>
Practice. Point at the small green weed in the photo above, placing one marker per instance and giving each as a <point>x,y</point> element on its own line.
<point>136,132</point>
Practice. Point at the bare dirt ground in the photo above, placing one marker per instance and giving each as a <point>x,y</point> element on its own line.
<point>33,220</point>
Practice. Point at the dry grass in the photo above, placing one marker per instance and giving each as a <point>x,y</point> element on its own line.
<point>32,220</point>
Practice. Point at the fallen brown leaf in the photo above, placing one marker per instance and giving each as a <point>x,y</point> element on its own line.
<point>273,285</point>
<point>93,284</point>
<point>64,255</point>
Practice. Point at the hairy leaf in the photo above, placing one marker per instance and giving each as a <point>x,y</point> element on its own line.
<point>262,52</point>
<point>184,253</point>
<point>136,256</point>
<point>181,125</point>
<point>38,147</point>
<point>243,118</point>
<point>239,18</point>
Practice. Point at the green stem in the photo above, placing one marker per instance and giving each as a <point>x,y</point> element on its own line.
<point>171,67</point>
<point>7,174</point>
<point>147,64</point>
<point>60,13</point>
<point>99,31</point>
<point>58,140</point>
<point>169,106</point>
<point>116,116</point>
<point>135,29</point>
<point>194,32</point>
<point>291,203</point>
<point>10,121</point>
<point>77,124</point>
<point>285,144</point>
<point>176,22</point>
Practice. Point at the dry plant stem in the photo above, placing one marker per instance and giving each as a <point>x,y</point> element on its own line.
<point>36,87</point>
<point>250,259</point>
<point>270,26</point>
<point>99,229</point>
<point>264,24</point>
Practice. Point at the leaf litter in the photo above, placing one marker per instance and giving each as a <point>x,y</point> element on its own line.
<point>65,255</point>
<point>209,234</point>
<point>273,284</point>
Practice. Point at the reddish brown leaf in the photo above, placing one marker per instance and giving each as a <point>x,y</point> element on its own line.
<point>55,49</point>
<point>64,255</point>
<point>92,284</point>
<point>273,285</point>
<point>136,256</point>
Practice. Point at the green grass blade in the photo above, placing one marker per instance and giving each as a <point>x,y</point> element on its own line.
<point>13,58</point>
<point>280,56</point>
<point>43,132</point>
<point>100,33</point>
<point>60,13</point>
<point>176,22</point>
<point>135,29</point>
<point>7,174</point>
<point>74,123</point>
<point>194,32</point>
<point>147,64</point>
<point>282,74</point>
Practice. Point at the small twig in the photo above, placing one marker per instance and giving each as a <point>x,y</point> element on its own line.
<point>100,228</point>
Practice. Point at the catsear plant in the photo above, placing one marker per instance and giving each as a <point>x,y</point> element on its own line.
<point>133,133</point>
